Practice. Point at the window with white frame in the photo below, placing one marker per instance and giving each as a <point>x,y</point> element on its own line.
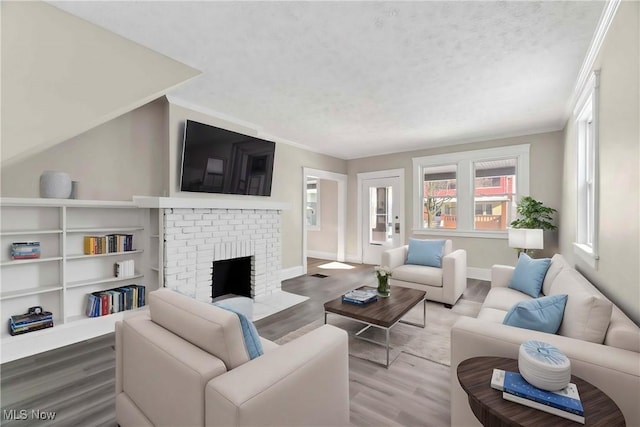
<point>586,116</point>
<point>471,192</point>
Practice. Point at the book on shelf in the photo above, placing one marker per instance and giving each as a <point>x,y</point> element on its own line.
<point>565,403</point>
<point>110,243</point>
<point>25,250</point>
<point>360,296</point>
<point>102,303</point>
<point>31,321</point>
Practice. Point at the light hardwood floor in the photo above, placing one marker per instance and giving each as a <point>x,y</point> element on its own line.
<point>77,382</point>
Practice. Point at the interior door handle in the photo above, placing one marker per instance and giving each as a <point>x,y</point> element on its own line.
<point>397,228</point>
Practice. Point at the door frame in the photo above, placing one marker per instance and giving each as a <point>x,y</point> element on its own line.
<point>342,210</point>
<point>389,173</point>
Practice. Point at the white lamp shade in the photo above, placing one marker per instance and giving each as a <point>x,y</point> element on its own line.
<point>526,238</point>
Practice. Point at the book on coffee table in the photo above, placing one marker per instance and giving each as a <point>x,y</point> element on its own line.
<point>360,296</point>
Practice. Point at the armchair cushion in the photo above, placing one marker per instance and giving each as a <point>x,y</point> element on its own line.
<point>426,252</point>
<point>539,314</point>
<point>529,274</point>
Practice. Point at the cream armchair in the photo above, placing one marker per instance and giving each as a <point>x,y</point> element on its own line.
<point>186,364</point>
<point>443,285</point>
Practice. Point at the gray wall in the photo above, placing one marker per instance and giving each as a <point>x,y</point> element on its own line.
<point>62,76</point>
<point>546,157</point>
<point>618,272</point>
<point>326,239</point>
<point>114,161</point>
<point>287,176</point>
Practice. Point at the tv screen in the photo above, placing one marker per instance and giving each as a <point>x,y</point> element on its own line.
<point>217,160</point>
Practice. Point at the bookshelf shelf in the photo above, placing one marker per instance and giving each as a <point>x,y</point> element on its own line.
<point>29,291</point>
<point>62,278</point>
<point>15,262</point>
<point>29,232</point>
<point>83,256</point>
<point>81,283</point>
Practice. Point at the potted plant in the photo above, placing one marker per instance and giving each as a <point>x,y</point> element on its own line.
<point>533,214</point>
<point>533,218</point>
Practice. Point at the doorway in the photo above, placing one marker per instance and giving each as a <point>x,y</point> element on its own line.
<point>380,213</point>
<point>334,213</point>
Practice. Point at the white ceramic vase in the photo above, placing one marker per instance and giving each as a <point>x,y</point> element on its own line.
<point>55,185</point>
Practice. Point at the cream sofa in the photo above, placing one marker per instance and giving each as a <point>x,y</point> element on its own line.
<point>186,364</point>
<point>444,284</point>
<point>612,362</point>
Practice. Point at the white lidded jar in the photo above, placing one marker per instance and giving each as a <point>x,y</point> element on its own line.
<point>55,185</point>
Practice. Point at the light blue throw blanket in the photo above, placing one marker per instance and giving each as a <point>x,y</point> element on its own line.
<point>251,338</point>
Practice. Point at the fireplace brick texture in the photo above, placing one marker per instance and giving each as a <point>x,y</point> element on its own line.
<point>194,238</point>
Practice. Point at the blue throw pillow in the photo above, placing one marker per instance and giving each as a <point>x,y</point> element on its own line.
<point>541,314</point>
<point>425,252</point>
<point>529,274</point>
<point>251,338</point>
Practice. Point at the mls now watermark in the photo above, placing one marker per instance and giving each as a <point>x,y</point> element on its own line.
<point>25,414</point>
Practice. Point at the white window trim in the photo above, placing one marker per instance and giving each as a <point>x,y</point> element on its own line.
<point>464,161</point>
<point>588,102</point>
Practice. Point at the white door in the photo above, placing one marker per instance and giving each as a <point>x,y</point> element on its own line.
<point>382,217</point>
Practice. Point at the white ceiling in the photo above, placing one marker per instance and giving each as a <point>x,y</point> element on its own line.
<point>353,79</point>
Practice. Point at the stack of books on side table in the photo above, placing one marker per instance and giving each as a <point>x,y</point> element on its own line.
<point>564,403</point>
<point>360,296</point>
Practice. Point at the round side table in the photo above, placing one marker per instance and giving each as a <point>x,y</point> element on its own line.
<point>492,410</point>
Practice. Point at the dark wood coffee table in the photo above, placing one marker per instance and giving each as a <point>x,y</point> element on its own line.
<point>491,409</point>
<point>384,313</point>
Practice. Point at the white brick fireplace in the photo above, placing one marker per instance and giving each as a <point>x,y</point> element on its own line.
<point>196,237</point>
<point>195,232</point>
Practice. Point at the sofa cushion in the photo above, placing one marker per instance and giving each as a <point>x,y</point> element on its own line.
<point>529,274</point>
<point>540,314</point>
<point>503,299</point>
<point>430,276</point>
<point>493,315</point>
<point>557,264</point>
<point>211,328</point>
<point>428,252</point>
<point>587,313</point>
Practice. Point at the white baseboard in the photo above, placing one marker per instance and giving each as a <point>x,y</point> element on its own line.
<point>290,273</point>
<point>331,256</point>
<point>353,259</point>
<point>479,273</point>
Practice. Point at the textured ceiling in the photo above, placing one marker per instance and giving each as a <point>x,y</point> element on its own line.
<point>354,79</point>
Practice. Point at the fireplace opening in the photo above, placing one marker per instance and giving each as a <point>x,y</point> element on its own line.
<point>231,276</point>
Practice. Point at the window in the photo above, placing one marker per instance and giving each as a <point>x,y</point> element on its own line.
<point>586,114</point>
<point>494,193</point>
<point>470,193</point>
<point>439,196</point>
<point>313,204</point>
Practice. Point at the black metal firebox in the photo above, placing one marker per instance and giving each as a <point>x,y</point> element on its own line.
<point>231,276</point>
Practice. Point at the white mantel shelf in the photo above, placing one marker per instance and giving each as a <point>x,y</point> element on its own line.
<point>217,203</point>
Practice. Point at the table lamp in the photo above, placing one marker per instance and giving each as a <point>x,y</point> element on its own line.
<point>525,239</point>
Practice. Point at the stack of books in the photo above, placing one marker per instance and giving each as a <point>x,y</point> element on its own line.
<point>25,250</point>
<point>111,243</point>
<point>564,403</point>
<point>360,296</point>
<point>31,321</point>
<point>115,300</point>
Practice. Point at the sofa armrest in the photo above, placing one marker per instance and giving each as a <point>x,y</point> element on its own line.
<point>303,382</point>
<point>501,275</point>
<point>395,257</point>
<point>454,275</point>
<point>613,370</point>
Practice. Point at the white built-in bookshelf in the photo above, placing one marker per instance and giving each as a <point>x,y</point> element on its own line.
<point>63,276</point>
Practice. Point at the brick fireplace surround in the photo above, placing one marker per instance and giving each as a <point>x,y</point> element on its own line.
<point>197,232</point>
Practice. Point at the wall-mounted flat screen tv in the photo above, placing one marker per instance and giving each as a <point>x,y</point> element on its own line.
<point>216,160</point>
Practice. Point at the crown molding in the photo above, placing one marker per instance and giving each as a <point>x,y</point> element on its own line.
<point>600,34</point>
